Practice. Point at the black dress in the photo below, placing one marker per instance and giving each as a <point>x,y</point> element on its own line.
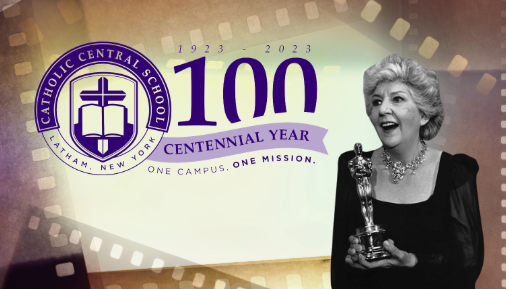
<point>444,232</point>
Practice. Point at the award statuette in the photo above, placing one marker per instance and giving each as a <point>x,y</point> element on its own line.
<point>371,236</point>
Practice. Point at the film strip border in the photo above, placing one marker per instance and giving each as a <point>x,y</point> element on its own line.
<point>277,274</point>
<point>503,140</point>
<point>42,182</point>
<point>427,48</point>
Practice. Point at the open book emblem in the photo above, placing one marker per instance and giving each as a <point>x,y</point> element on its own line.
<point>103,113</point>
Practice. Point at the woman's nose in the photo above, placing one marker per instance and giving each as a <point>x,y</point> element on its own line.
<point>385,107</point>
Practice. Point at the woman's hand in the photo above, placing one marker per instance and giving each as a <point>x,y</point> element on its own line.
<point>400,258</point>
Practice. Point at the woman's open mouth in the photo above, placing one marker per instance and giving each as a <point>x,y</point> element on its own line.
<point>388,126</point>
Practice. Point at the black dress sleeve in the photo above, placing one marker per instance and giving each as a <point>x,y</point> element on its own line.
<point>466,254</point>
<point>342,275</point>
<point>459,265</point>
<point>339,241</point>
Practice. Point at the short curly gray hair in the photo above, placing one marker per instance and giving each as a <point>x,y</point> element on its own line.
<point>423,83</point>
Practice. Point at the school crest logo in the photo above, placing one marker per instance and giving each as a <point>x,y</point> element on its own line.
<point>100,122</point>
<point>102,108</point>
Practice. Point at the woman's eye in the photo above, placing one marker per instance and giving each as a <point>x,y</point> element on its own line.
<point>398,99</point>
<point>376,102</point>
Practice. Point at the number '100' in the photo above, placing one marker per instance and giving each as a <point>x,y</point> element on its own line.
<point>278,93</point>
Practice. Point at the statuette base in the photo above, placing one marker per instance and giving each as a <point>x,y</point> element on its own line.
<point>372,237</point>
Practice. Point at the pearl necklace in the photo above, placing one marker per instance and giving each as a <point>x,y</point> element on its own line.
<point>398,169</point>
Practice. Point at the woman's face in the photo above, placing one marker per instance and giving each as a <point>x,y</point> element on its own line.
<point>395,115</point>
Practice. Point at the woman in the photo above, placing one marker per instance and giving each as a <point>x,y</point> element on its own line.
<point>426,199</point>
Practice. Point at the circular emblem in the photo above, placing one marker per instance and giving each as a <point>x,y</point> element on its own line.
<point>102,108</point>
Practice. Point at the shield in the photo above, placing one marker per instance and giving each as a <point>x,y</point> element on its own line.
<point>103,114</point>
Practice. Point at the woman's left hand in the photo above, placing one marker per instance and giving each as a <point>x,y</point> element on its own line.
<point>399,259</point>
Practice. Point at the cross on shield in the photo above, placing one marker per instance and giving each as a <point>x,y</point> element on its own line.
<point>103,118</point>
